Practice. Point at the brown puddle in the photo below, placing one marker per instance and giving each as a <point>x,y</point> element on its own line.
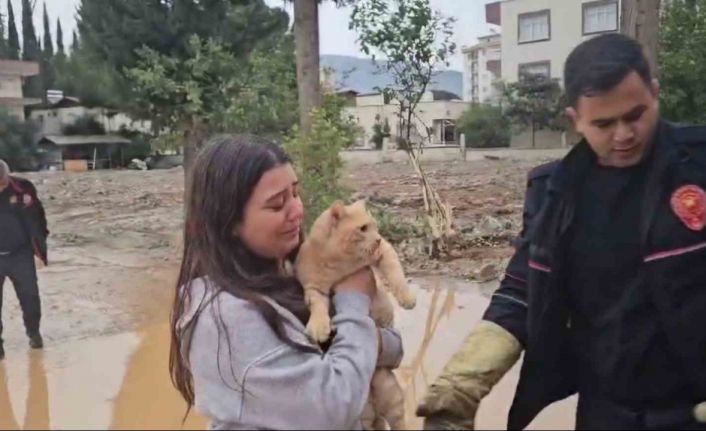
<point>116,382</point>
<point>122,381</point>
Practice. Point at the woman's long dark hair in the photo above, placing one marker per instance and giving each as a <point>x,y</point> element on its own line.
<point>224,176</point>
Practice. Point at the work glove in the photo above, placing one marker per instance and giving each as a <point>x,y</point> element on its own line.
<point>452,401</point>
<point>700,413</point>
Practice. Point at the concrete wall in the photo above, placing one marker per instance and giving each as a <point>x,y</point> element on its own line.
<point>544,139</point>
<point>10,86</point>
<point>565,33</point>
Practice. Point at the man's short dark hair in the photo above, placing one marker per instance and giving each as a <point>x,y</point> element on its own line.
<point>599,64</point>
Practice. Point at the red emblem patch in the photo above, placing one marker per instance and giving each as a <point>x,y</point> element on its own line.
<point>689,204</point>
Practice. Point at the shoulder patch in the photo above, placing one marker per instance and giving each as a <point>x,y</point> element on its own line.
<point>543,171</point>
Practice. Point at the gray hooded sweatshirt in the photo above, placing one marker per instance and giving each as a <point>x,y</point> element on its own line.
<point>262,383</point>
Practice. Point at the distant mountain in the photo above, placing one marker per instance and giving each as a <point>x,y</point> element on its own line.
<point>360,74</point>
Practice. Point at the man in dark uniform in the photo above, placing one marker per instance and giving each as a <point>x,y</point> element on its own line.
<point>606,293</point>
<point>23,234</point>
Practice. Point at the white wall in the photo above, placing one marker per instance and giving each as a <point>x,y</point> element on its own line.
<point>366,114</point>
<point>566,33</point>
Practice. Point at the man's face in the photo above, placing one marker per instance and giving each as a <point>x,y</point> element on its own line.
<point>4,183</point>
<point>619,124</point>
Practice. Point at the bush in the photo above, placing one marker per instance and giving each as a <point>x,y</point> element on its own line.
<point>333,110</point>
<point>140,147</point>
<point>380,132</point>
<point>485,126</point>
<point>394,228</point>
<point>17,144</point>
<point>318,162</point>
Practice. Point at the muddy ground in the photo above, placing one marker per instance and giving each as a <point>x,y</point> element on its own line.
<point>114,251</point>
<point>115,235</point>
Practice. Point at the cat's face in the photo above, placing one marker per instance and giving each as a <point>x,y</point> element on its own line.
<point>354,230</point>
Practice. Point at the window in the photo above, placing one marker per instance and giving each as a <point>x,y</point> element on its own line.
<point>600,16</point>
<point>534,27</point>
<point>542,68</point>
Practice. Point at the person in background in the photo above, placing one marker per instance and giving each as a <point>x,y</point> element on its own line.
<point>606,293</point>
<point>23,235</point>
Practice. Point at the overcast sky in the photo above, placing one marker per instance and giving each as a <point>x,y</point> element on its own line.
<point>335,36</point>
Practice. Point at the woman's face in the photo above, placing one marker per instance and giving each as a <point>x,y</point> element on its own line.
<point>273,216</point>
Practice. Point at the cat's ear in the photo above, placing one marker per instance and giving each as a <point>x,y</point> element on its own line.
<point>338,210</point>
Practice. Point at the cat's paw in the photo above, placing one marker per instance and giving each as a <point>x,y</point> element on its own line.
<point>407,300</point>
<point>319,329</point>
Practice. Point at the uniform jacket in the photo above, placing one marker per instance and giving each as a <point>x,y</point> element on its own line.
<point>32,215</point>
<point>532,304</point>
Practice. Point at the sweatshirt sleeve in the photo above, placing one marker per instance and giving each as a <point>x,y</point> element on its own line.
<point>290,389</point>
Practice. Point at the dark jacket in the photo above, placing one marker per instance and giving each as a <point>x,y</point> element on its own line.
<point>532,300</point>
<point>33,216</point>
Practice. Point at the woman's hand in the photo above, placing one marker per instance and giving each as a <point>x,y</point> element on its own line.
<point>362,281</point>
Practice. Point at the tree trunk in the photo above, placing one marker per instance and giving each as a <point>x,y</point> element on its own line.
<point>640,19</point>
<point>306,34</point>
<point>194,136</point>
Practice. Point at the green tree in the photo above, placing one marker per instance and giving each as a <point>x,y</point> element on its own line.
<point>93,81</point>
<point>485,126</point>
<point>48,47</point>
<point>3,41</point>
<point>114,30</point>
<point>30,43</point>
<point>213,90</point>
<point>59,39</point>
<point>112,33</point>
<point>201,54</point>
<point>415,41</point>
<point>17,143</point>
<point>381,130</point>
<point>47,71</point>
<point>267,95</point>
<point>13,38</point>
<point>683,49</point>
<point>535,102</point>
<point>74,42</point>
<point>31,51</point>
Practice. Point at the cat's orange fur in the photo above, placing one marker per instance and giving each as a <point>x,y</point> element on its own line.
<point>343,240</point>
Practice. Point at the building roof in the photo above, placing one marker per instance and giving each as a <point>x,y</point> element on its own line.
<point>444,95</point>
<point>347,91</point>
<point>65,102</point>
<point>18,101</point>
<point>487,41</point>
<point>62,140</point>
<point>19,68</point>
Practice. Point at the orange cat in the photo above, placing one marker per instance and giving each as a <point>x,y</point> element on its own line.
<point>343,240</point>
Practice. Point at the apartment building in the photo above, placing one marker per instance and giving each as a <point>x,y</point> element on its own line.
<point>538,35</point>
<point>482,70</point>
